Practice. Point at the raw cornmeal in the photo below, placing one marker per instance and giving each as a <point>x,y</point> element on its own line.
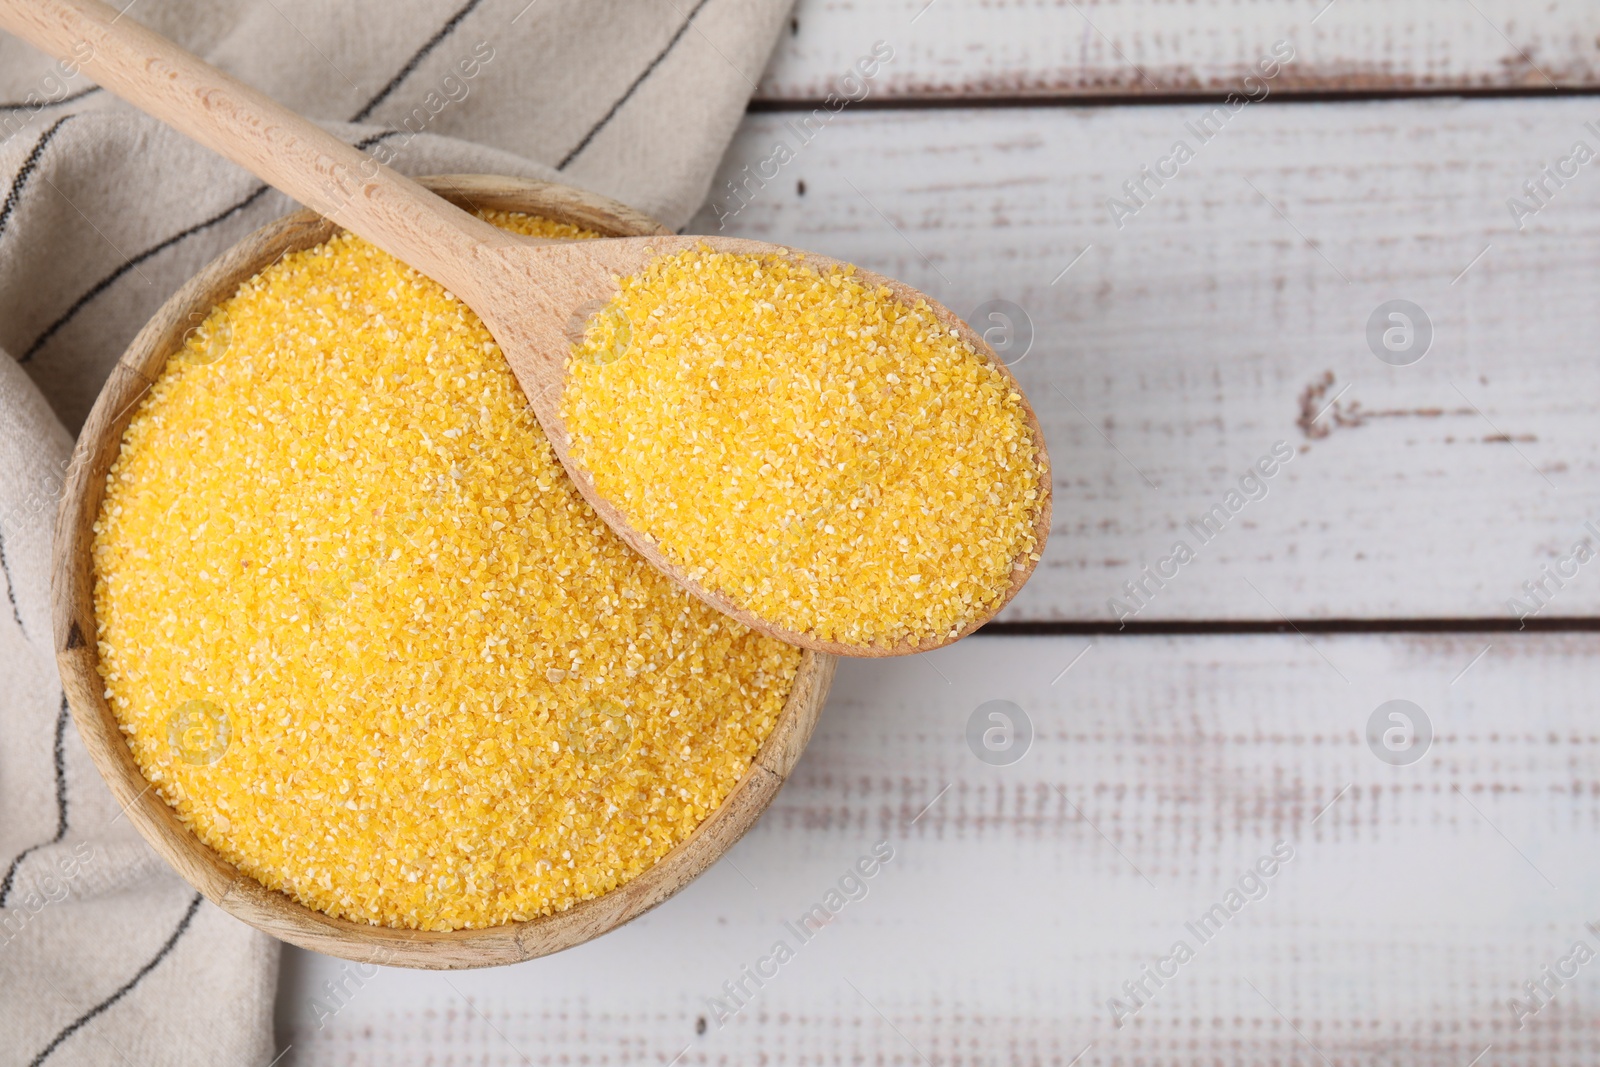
<point>365,637</point>
<point>829,458</point>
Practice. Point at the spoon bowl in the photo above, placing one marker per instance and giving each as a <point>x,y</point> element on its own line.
<point>585,276</point>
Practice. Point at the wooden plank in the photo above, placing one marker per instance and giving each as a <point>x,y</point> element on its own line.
<point>1229,313</point>
<point>1020,898</point>
<point>965,49</point>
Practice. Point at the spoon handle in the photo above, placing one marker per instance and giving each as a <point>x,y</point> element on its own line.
<point>274,143</point>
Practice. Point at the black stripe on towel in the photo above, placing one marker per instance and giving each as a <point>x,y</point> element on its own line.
<point>418,57</point>
<point>623,99</point>
<point>61,802</point>
<point>105,283</point>
<point>41,105</point>
<point>11,589</point>
<point>20,182</point>
<point>127,987</point>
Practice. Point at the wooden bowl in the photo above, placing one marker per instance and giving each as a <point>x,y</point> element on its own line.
<point>222,883</point>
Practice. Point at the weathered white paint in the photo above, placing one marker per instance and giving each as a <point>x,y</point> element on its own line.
<point>975,48</point>
<point>1181,346</point>
<point>1419,900</point>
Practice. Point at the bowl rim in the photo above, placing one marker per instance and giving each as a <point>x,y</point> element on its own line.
<point>272,911</point>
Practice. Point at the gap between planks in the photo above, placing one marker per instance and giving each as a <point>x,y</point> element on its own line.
<point>1112,48</point>
<point>1224,627</point>
<point>1002,101</point>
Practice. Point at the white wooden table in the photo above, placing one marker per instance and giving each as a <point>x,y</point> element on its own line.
<point>1228,314</point>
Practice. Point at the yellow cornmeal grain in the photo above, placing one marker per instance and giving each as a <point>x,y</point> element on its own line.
<point>828,457</point>
<point>337,557</point>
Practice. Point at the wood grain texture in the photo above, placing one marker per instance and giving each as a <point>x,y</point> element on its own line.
<point>976,49</point>
<point>1230,312</point>
<point>1418,901</point>
<point>222,883</point>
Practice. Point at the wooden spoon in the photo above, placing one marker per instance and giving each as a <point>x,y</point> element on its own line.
<point>525,290</point>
